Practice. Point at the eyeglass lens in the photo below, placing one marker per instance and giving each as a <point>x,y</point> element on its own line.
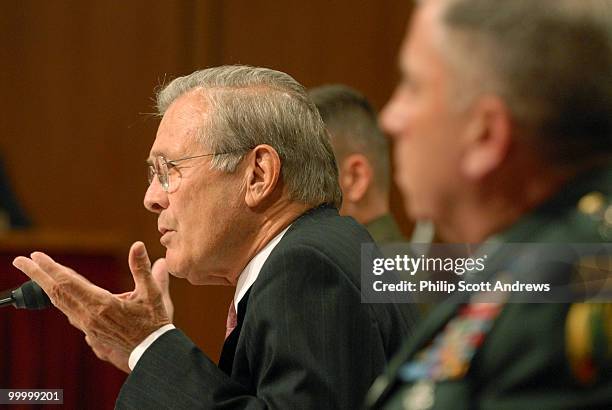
<point>160,168</point>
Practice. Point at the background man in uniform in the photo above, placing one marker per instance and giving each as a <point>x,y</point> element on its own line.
<point>503,133</point>
<point>362,152</point>
<point>244,183</point>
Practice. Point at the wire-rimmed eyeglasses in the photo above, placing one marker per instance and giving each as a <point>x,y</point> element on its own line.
<point>167,171</point>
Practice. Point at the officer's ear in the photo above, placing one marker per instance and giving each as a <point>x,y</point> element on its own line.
<point>356,176</point>
<point>487,138</point>
<point>262,173</point>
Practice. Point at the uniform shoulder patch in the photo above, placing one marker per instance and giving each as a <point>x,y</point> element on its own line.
<point>588,341</point>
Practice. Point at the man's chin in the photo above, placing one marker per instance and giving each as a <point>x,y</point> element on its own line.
<point>176,273</point>
<point>407,197</point>
<point>178,270</point>
<point>209,280</point>
<point>414,210</point>
<point>174,268</point>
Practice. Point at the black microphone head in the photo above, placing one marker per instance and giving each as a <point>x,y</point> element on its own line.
<point>30,296</point>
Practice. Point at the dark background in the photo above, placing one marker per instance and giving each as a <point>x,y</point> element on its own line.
<point>77,84</point>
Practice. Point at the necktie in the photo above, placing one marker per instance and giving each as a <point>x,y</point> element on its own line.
<point>232,320</point>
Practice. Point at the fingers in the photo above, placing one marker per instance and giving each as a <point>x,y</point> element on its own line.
<point>45,262</point>
<point>49,274</point>
<point>161,275</point>
<point>140,266</point>
<point>33,271</point>
<point>74,295</point>
<point>114,324</point>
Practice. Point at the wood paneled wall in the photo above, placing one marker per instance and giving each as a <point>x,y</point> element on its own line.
<point>77,82</point>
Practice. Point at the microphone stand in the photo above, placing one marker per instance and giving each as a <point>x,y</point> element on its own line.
<point>7,298</point>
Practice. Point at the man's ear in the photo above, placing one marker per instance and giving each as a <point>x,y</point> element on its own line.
<point>488,138</point>
<point>356,176</point>
<point>262,172</point>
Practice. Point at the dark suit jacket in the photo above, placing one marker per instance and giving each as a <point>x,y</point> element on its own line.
<point>304,339</point>
<point>523,362</point>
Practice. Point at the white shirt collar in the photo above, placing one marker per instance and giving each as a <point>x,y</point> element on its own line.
<point>251,271</point>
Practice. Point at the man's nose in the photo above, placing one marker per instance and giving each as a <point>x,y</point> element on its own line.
<point>392,118</point>
<point>155,199</point>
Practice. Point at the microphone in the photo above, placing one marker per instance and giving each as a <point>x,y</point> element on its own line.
<point>27,296</point>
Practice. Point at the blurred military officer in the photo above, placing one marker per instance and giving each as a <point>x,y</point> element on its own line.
<point>503,133</point>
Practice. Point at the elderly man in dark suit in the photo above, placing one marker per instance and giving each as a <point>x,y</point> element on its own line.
<point>502,126</point>
<point>244,183</point>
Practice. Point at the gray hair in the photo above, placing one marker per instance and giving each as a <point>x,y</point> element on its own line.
<point>353,126</point>
<point>253,106</point>
<point>551,62</point>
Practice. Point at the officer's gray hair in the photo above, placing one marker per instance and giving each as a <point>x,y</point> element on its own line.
<point>551,62</point>
<point>252,106</point>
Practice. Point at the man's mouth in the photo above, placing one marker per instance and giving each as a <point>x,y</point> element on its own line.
<point>165,235</point>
